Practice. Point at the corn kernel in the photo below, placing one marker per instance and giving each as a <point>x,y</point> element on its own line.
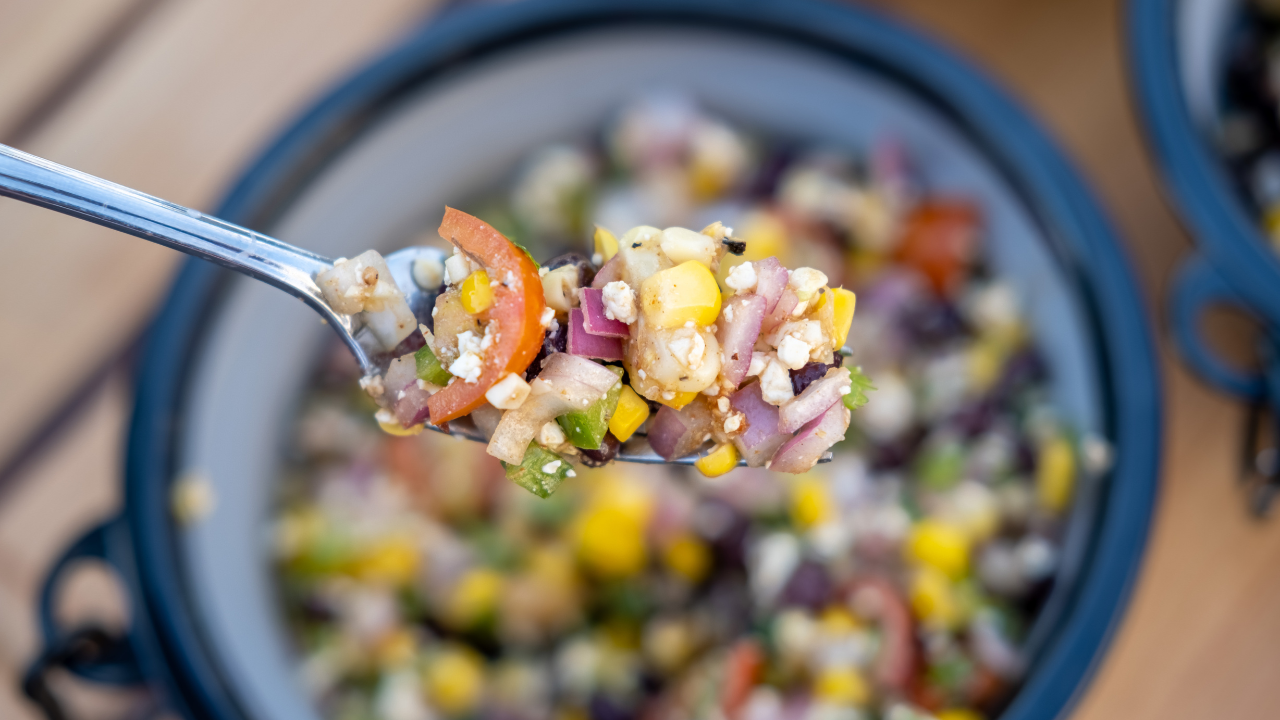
<point>682,294</point>
<point>836,621</point>
<point>959,714</point>
<point>391,426</point>
<point>455,681</point>
<point>611,542</point>
<point>392,560</point>
<point>845,303</point>
<point>631,413</point>
<point>933,599</point>
<point>941,546</point>
<point>718,461</point>
<point>606,245</point>
<point>688,557</point>
<point>1055,474</point>
<point>841,686</point>
<point>811,503</point>
<point>475,596</point>
<point>475,293</point>
<point>680,400</point>
<point>983,362</point>
<point>396,648</point>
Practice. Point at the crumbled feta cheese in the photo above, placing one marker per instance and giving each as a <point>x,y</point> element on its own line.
<point>467,367</point>
<point>806,281</point>
<point>372,384</point>
<point>494,283</point>
<point>620,302</point>
<point>689,324</point>
<point>793,352</point>
<point>456,268</point>
<point>711,390</point>
<point>570,473</point>
<point>597,259</point>
<point>723,404</point>
<point>733,422</point>
<point>728,313</point>
<point>775,383</point>
<point>551,467</point>
<point>510,279</point>
<point>428,272</point>
<point>548,317</point>
<point>508,393</point>
<point>434,310</point>
<point>385,417</point>
<point>643,374</point>
<point>758,362</point>
<point>689,348</point>
<point>668,396</point>
<point>469,342</point>
<point>551,435</point>
<point>742,278</point>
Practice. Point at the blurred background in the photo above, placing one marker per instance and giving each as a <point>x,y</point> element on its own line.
<point>174,97</point>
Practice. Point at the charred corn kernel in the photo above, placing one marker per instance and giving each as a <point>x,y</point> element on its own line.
<point>941,546</point>
<point>836,621</point>
<point>845,303</point>
<point>455,681</point>
<point>811,502</point>
<point>682,294</point>
<point>933,599</point>
<point>392,560</point>
<point>631,413</point>
<point>476,293</point>
<point>765,236</point>
<point>474,597</point>
<point>841,686</point>
<point>396,648</point>
<point>718,461</point>
<point>959,714</point>
<point>1055,474</point>
<point>391,426</point>
<point>688,557</point>
<point>611,542</point>
<point>606,245</point>
<point>680,400</point>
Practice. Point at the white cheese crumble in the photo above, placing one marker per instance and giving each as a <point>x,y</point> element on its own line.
<point>597,259</point>
<point>723,404</point>
<point>728,313</point>
<point>793,352</point>
<point>372,384</point>
<point>742,278</point>
<point>775,383</point>
<point>428,272</point>
<point>510,279</point>
<point>471,354</point>
<point>508,393</point>
<point>758,362</point>
<point>620,302</point>
<point>689,348</point>
<point>551,467</point>
<point>551,435</point>
<point>733,422</point>
<point>467,367</point>
<point>643,374</point>
<point>458,267</point>
<point>570,473</point>
<point>668,396</point>
<point>548,317</point>
<point>806,281</point>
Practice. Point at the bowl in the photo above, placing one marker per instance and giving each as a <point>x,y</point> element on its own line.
<point>444,114</point>
<point>1178,59</point>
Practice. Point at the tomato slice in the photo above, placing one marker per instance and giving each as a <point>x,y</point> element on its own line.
<point>516,313</point>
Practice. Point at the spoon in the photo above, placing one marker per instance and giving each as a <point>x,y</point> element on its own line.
<point>41,182</point>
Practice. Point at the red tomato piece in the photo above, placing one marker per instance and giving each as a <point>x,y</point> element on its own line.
<point>940,239</point>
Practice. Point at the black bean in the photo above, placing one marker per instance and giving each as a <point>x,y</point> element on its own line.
<point>811,373</point>
<point>605,454</point>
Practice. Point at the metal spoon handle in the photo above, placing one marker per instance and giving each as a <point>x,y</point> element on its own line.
<point>40,182</point>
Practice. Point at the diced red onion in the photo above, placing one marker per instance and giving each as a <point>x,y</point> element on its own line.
<point>559,366</point>
<point>738,336</point>
<point>761,438</point>
<point>587,345</point>
<point>801,452</point>
<point>609,272</point>
<point>486,418</point>
<point>410,406</point>
<point>594,318</point>
<point>814,401</point>
<point>676,433</point>
<point>401,373</point>
<point>781,312</point>
<point>771,280</point>
<point>566,383</point>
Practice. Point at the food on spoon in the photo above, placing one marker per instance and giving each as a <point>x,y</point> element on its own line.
<point>660,315</point>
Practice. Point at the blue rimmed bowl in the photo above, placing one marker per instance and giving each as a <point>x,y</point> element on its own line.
<point>445,114</point>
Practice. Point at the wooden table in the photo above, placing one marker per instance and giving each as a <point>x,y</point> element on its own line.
<point>175,96</point>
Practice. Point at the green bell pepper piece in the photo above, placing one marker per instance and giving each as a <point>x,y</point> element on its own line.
<point>586,428</point>
<point>429,368</point>
<point>531,474</point>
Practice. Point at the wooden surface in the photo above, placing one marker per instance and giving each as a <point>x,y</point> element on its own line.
<point>190,89</point>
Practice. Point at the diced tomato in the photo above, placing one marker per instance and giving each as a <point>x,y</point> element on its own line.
<point>940,239</point>
<point>896,664</point>
<point>742,670</point>
<point>515,314</point>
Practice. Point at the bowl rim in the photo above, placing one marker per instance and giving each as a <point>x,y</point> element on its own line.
<point>1198,184</point>
<point>1074,222</point>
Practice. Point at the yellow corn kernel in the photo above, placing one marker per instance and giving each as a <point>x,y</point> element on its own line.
<point>455,681</point>
<point>391,426</point>
<point>984,360</point>
<point>836,621</point>
<point>1055,474</point>
<point>765,236</point>
<point>476,293</point>
<point>682,294</point>
<point>396,648</point>
<point>811,503</point>
<point>606,245</point>
<point>941,546</point>
<point>474,596</point>
<point>841,686</point>
<point>688,557</point>
<point>392,560</point>
<point>611,542</point>
<point>718,461</point>
<point>845,302</point>
<point>631,413</point>
<point>933,599</point>
<point>680,400</point>
<point>959,714</point>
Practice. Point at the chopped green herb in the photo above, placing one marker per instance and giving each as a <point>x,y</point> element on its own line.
<point>857,397</point>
